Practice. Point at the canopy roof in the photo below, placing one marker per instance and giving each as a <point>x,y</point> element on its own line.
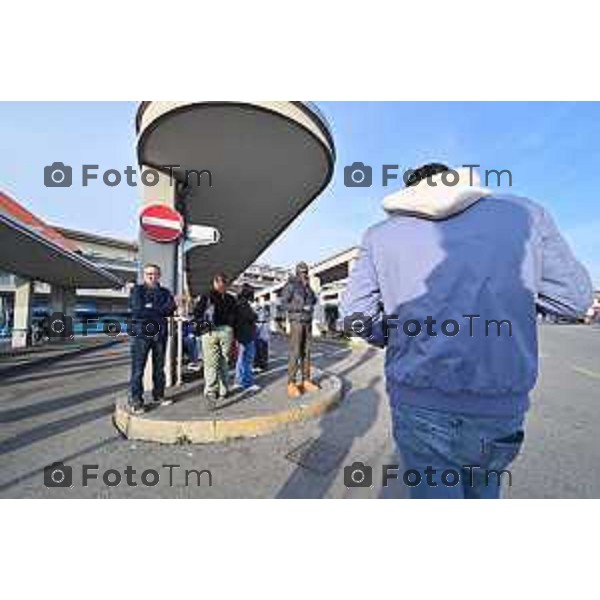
<point>267,161</point>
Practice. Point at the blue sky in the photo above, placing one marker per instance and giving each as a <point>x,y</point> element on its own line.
<point>552,149</point>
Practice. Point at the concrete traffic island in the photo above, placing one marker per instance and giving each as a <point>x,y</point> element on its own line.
<point>242,415</point>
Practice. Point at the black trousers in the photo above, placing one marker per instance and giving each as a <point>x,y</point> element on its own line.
<point>140,348</point>
<point>299,351</point>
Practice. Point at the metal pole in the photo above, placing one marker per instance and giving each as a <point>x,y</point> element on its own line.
<point>180,273</point>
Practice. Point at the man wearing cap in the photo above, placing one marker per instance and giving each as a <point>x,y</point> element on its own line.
<point>298,300</point>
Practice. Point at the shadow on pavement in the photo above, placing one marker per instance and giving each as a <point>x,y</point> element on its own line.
<point>39,408</point>
<point>76,369</point>
<point>91,448</point>
<point>340,429</point>
<point>9,371</point>
<point>54,428</point>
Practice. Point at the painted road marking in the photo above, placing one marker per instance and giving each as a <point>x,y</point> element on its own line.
<point>587,372</point>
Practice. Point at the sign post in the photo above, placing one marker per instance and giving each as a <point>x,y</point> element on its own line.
<point>180,317</point>
<point>164,225</point>
<point>196,235</point>
<point>160,226</point>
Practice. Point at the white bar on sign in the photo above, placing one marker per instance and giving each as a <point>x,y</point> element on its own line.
<point>158,222</point>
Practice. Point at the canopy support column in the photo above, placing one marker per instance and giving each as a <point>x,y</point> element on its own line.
<point>21,333</point>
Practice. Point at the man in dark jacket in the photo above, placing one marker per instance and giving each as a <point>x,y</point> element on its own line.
<point>299,300</point>
<point>245,334</point>
<point>215,315</point>
<point>150,305</point>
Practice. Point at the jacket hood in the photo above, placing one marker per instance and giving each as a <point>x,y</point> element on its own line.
<point>438,201</point>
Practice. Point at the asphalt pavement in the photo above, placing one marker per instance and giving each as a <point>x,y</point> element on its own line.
<point>61,411</point>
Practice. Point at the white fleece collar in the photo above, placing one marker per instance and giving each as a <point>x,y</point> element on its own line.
<point>440,201</point>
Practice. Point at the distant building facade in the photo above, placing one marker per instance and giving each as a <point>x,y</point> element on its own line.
<point>328,278</point>
<point>261,276</point>
<point>115,255</point>
<point>121,258</point>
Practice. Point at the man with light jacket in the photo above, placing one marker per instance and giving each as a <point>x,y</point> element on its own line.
<point>449,284</point>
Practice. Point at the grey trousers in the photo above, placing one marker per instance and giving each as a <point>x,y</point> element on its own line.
<point>216,347</point>
<point>299,351</point>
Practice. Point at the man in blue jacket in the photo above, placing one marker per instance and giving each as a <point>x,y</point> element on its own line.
<point>150,305</point>
<point>450,283</point>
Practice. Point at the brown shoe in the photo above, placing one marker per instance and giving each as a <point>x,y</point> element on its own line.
<point>309,386</point>
<point>294,391</point>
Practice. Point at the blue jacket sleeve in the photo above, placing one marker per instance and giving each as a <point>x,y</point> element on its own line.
<point>362,297</point>
<point>565,286</point>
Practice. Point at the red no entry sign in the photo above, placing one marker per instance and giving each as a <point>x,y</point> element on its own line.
<point>161,223</point>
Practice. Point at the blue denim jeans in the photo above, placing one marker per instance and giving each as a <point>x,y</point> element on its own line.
<point>244,375</point>
<point>437,446</point>
<point>190,345</point>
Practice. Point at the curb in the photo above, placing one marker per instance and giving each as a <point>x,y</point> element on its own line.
<point>135,427</point>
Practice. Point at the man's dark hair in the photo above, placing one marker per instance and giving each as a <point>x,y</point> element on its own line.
<point>151,266</point>
<point>414,176</point>
<point>221,277</point>
<point>247,292</point>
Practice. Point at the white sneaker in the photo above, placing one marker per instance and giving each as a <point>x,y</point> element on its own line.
<point>254,388</point>
<point>166,402</point>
